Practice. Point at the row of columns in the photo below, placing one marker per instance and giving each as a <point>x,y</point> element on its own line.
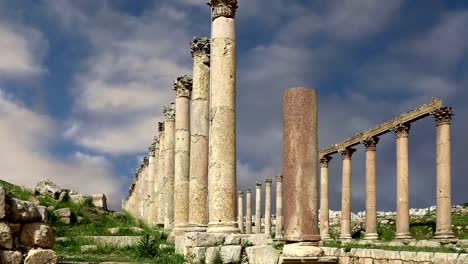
<point>443,223</point>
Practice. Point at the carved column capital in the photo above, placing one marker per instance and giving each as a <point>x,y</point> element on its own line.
<point>443,115</point>
<point>279,178</point>
<point>152,149</point>
<point>370,143</point>
<point>325,160</point>
<point>183,86</point>
<point>259,185</point>
<point>145,161</point>
<point>169,111</point>
<point>347,153</point>
<point>249,191</point>
<point>223,8</point>
<point>200,47</point>
<point>402,130</point>
<point>160,127</point>
<point>240,194</point>
<point>268,181</point>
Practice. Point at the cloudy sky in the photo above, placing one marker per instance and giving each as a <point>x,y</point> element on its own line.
<point>82,85</point>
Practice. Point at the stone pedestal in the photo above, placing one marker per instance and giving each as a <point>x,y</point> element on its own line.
<point>222,139</point>
<point>402,213</point>
<point>240,213</point>
<point>258,208</point>
<point>324,204</point>
<point>161,177</point>
<point>443,117</point>
<point>346,194</point>
<point>268,207</point>
<point>169,137</point>
<point>199,128</point>
<point>279,208</point>
<point>248,213</point>
<point>183,88</point>
<point>300,147</point>
<point>371,205</point>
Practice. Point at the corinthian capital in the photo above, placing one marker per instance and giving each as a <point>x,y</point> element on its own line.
<point>259,185</point>
<point>279,178</point>
<point>402,130</point>
<point>183,86</point>
<point>370,143</point>
<point>325,160</point>
<point>347,153</point>
<point>443,115</point>
<point>160,127</point>
<point>268,181</point>
<point>169,111</point>
<point>200,47</point>
<point>223,8</point>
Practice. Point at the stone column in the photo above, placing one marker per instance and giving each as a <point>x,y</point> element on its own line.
<point>443,116</point>
<point>183,88</point>
<point>145,182</point>
<point>240,213</point>
<point>161,177</point>
<point>258,208</point>
<point>248,213</point>
<point>222,139</point>
<point>403,217</point>
<point>345,234</point>
<point>169,138</point>
<point>324,205</point>
<point>199,128</point>
<point>300,155</point>
<point>152,164</point>
<point>268,206</point>
<point>371,204</point>
<point>279,208</point>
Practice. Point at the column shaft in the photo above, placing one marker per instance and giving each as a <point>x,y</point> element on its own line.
<point>240,213</point>
<point>248,213</point>
<point>371,204</point>
<point>268,207</point>
<point>161,177</point>
<point>169,155</point>
<point>258,208</point>
<point>324,204</point>
<point>279,208</point>
<point>346,194</point>
<point>403,217</point>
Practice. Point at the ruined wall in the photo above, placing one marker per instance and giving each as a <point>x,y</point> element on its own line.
<point>24,235</point>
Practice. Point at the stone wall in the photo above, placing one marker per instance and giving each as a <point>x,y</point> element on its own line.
<point>24,235</point>
<point>362,255</point>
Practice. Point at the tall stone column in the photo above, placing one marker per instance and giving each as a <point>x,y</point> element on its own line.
<point>145,182</point>
<point>169,155</point>
<point>248,213</point>
<point>222,139</point>
<point>279,208</point>
<point>403,217</point>
<point>183,88</point>
<point>153,188</point>
<point>371,204</point>
<point>345,234</point>
<point>268,206</point>
<point>258,208</point>
<point>240,212</point>
<point>199,128</point>
<point>324,204</point>
<point>443,116</point>
<point>161,194</point>
<point>300,155</point>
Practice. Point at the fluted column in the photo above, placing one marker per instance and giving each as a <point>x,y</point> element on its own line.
<point>279,208</point>
<point>248,213</point>
<point>222,139</point>
<point>403,217</point>
<point>443,117</point>
<point>346,194</point>
<point>258,208</point>
<point>240,212</point>
<point>183,88</point>
<point>199,128</point>
<point>371,204</point>
<point>324,204</point>
<point>268,206</point>
<point>169,138</point>
<point>161,183</point>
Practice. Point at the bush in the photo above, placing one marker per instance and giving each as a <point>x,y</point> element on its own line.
<point>147,247</point>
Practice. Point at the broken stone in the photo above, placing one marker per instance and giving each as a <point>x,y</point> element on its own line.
<point>212,254</point>
<point>37,235</point>
<point>230,254</point>
<point>63,196</point>
<point>113,231</point>
<point>6,239</point>
<point>65,220</point>
<point>63,213</point>
<point>262,255</point>
<point>300,250</point>
<point>44,213</point>
<point>99,200</point>
<point>11,257</point>
<point>41,256</point>
<point>78,198</point>
<point>15,229</point>
<point>23,211</point>
<point>137,229</point>
<point>48,188</point>
<point>88,248</point>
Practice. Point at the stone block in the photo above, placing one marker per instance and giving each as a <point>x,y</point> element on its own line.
<point>99,200</point>
<point>262,255</point>
<point>203,239</point>
<point>137,230</point>
<point>233,240</point>
<point>37,235</point>
<point>256,239</point>
<point>302,250</point>
<point>114,230</point>
<point>78,197</point>
<point>462,259</point>
<point>180,247</point>
<point>88,248</point>
<point>65,220</point>
<point>63,213</point>
<point>231,254</point>
<point>196,255</point>
<point>114,241</point>
<point>11,257</point>
<point>424,256</point>
<point>2,203</point>
<point>48,188</point>
<point>43,212</point>
<point>6,238</point>
<point>23,211</point>
<point>445,258</point>
<point>408,255</point>
<point>41,256</point>
<point>15,229</point>
<point>425,243</point>
<point>212,254</point>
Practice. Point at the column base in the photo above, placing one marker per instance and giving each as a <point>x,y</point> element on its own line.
<point>403,236</point>
<point>371,236</point>
<point>278,238</point>
<point>196,228</point>
<point>345,237</point>
<point>444,235</point>
<point>325,237</point>
<point>226,227</point>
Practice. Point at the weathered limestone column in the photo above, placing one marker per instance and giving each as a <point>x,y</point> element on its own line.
<point>346,154</point>
<point>248,213</point>
<point>145,185</point>
<point>161,177</point>
<point>240,212</point>
<point>169,155</point>
<point>183,88</point>
<point>279,207</point>
<point>258,208</point>
<point>199,128</point>
<point>300,155</point>
<point>443,116</point>
<point>152,164</point>
<point>324,204</point>
<point>403,217</point>
<point>371,204</point>
<point>268,206</point>
<point>222,139</point>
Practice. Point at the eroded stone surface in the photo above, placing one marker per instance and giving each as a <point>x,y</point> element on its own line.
<point>262,255</point>
<point>11,257</point>
<point>6,239</point>
<point>41,256</point>
<point>230,254</point>
<point>63,213</point>
<point>99,200</point>
<point>297,250</point>
<point>37,235</point>
<point>23,211</point>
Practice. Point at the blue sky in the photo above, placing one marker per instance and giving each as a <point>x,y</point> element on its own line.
<point>82,85</point>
